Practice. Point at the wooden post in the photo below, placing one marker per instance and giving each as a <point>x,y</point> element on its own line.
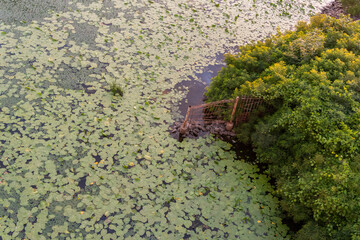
<point>230,125</point>
<point>234,109</point>
<point>183,127</point>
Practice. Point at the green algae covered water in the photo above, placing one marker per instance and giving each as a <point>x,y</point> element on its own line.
<point>77,162</point>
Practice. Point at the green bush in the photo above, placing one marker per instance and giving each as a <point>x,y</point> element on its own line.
<point>309,135</point>
<point>352,6</point>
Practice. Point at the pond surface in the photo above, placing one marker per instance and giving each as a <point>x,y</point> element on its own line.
<point>77,162</point>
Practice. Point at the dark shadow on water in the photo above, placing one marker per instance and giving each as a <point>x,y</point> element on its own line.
<point>82,182</point>
<point>246,152</point>
<point>197,89</point>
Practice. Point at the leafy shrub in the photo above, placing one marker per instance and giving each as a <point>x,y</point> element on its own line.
<point>309,136</point>
<point>352,6</point>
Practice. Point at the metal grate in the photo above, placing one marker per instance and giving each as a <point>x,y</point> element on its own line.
<point>209,112</point>
<point>232,111</point>
<point>247,104</point>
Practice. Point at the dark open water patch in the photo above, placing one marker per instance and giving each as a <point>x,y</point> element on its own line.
<point>197,89</point>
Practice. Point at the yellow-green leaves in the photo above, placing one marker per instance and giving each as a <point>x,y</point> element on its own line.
<point>309,137</point>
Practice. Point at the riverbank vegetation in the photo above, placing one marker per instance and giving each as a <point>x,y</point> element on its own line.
<point>352,6</point>
<point>308,132</point>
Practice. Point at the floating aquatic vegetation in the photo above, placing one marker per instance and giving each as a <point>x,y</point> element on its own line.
<point>78,162</point>
<point>116,89</point>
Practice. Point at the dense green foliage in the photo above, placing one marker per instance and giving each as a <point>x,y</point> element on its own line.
<point>352,6</point>
<point>309,134</point>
